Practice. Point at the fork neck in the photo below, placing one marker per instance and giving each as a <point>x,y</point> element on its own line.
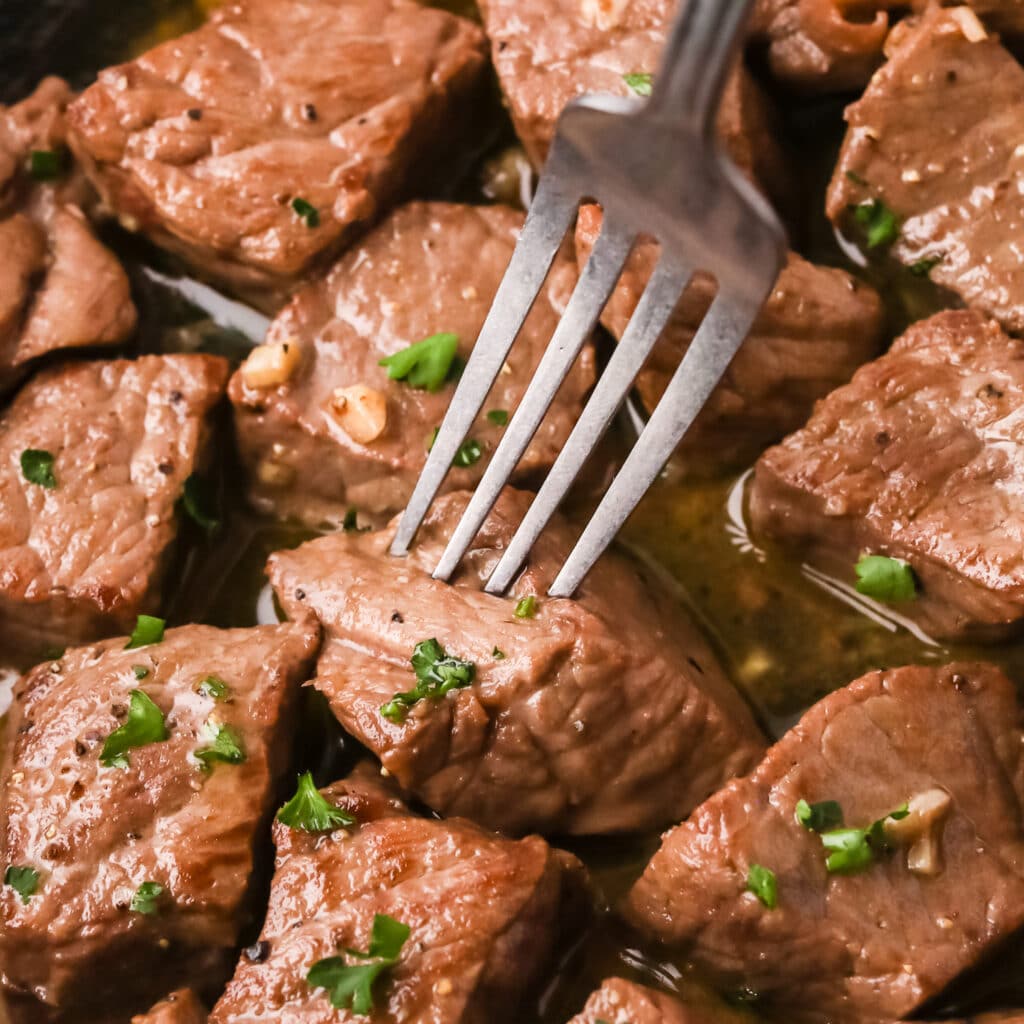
<point>697,60</point>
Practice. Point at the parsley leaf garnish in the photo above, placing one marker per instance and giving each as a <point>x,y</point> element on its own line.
<point>148,630</point>
<point>37,468</point>
<point>426,364</point>
<point>499,417</point>
<point>45,164</point>
<point>146,897</point>
<point>144,725</point>
<point>924,266</point>
<point>762,883</point>
<point>310,812</point>
<point>437,673</point>
<point>853,849</point>
<point>885,579</point>
<point>640,82</point>
<point>819,817</point>
<point>197,503</point>
<point>350,986</point>
<point>526,607</point>
<point>212,686</point>
<point>880,225</point>
<point>498,654</point>
<point>23,880</point>
<point>468,453</point>
<point>224,744</point>
<point>306,212</point>
<point>140,671</point>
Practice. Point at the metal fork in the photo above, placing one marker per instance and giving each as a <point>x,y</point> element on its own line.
<point>655,169</point>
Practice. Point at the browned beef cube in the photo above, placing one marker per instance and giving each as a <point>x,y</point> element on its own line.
<point>618,1001</point>
<point>429,269</point>
<point>59,286</point>
<point>917,459</point>
<point>867,935</point>
<point>487,917</point>
<point>600,714</point>
<point>181,1007</point>
<point>933,143</point>
<point>548,52</point>
<point>87,932</point>
<point>265,139</point>
<point>84,539</point>
<point>818,325</point>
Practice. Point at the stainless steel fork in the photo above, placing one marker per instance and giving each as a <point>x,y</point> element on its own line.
<point>656,170</point>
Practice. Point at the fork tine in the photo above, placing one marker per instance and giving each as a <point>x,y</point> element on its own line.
<point>649,318</point>
<point>588,299</point>
<point>723,329</point>
<point>547,222</point>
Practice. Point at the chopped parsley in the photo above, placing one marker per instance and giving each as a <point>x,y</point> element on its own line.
<point>880,225</point>
<point>140,671</point>
<point>144,725</point>
<point>526,607</point>
<point>499,417</point>
<point>23,880</point>
<point>212,686</point>
<point>148,630</point>
<point>640,82</point>
<point>223,744</point>
<point>350,985</point>
<point>762,883</point>
<point>437,673</point>
<point>426,364</point>
<point>924,266</point>
<point>885,579</point>
<point>310,812</point>
<point>37,468</point>
<point>468,453</point>
<point>853,849</point>
<point>45,164</point>
<point>198,505</point>
<point>146,898</point>
<point>819,817</point>
<point>498,654</point>
<point>306,212</point>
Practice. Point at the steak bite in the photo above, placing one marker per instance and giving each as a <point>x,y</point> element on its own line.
<point>605,713</point>
<point>60,288</point>
<point>479,919</point>
<point>429,271</point>
<point>93,458</point>
<point>268,137</point>
<point>918,459</point>
<point>549,52</point>
<point>135,787</point>
<point>931,169</point>
<point>618,1001</point>
<point>818,325</point>
<point>863,922</point>
<point>181,1007</point>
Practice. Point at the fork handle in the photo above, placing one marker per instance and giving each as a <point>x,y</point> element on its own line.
<point>697,59</point>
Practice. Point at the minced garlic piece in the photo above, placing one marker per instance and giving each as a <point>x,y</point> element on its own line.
<point>361,411</point>
<point>272,364</point>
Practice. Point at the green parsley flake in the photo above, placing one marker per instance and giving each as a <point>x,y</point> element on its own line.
<point>148,630</point>
<point>146,898</point>
<point>437,674</point>
<point>468,453</point>
<point>350,985</point>
<point>306,212</point>
<point>23,880</point>
<point>499,417</point>
<point>144,725</point>
<point>212,686</point>
<point>45,164</point>
<point>310,812</point>
<point>640,82</point>
<point>223,744</point>
<point>37,468</point>
<point>853,849</point>
<point>819,817</point>
<point>140,671</point>
<point>879,224</point>
<point>198,505</point>
<point>886,579</point>
<point>526,607</point>
<point>924,266</point>
<point>498,654</point>
<point>762,883</point>
<point>426,364</point>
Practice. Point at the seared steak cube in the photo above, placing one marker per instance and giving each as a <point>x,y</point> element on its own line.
<point>337,432</point>
<point>818,325</point>
<point>93,458</point>
<point>548,52</point>
<point>600,714</point>
<point>931,170</point>
<point>918,459</point>
<point>485,917</point>
<point>130,821</point>
<point>618,1001</point>
<point>874,854</point>
<point>266,138</point>
<point>60,287</point>
<point>181,1007</point>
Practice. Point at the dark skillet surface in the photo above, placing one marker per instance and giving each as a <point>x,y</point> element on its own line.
<point>783,642</point>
